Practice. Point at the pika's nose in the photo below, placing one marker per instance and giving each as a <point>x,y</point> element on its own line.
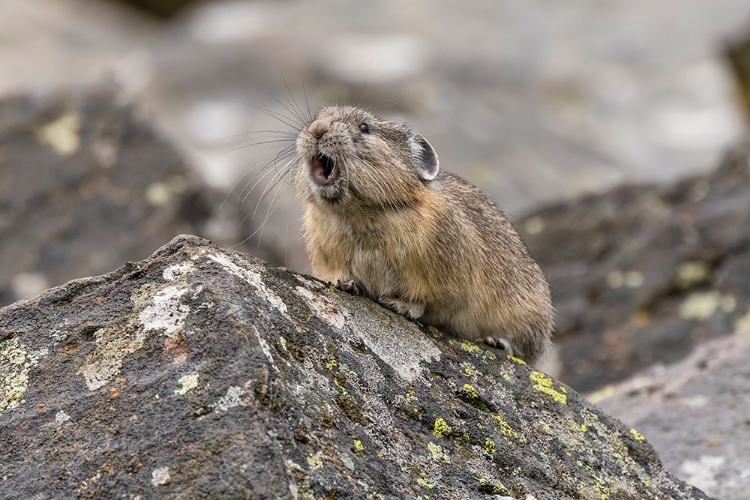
<point>318,129</point>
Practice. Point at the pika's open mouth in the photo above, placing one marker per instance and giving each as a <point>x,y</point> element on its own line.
<point>324,170</point>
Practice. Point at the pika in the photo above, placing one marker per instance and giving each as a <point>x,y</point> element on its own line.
<point>382,220</point>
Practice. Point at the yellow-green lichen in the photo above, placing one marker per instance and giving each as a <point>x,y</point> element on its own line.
<point>413,405</point>
<point>315,461</point>
<point>15,363</point>
<point>634,279</point>
<point>441,428</point>
<point>583,427</point>
<point>469,394</point>
<point>187,383</point>
<point>468,371</point>
<point>339,385</point>
<point>471,348</point>
<point>742,324</point>
<point>437,453</point>
<point>517,360</point>
<point>702,305</point>
<point>282,342</point>
<point>508,432</point>
<point>601,394</point>
<point>691,274</point>
<point>62,134</point>
<point>489,446</point>
<point>500,489</point>
<point>331,365</point>
<point>637,435</point>
<point>534,225</point>
<point>358,446</point>
<point>471,391</point>
<point>543,383</point>
<point>424,484</point>
<point>545,425</point>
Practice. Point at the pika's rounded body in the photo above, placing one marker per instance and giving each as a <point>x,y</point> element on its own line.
<point>383,220</point>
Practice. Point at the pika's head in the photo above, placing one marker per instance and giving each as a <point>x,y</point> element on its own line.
<point>348,156</point>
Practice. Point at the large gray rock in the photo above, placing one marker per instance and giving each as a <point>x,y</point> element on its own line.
<point>644,274</point>
<point>203,373</point>
<point>695,413</point>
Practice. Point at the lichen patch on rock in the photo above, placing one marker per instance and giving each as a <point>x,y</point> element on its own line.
<point>15,363</point>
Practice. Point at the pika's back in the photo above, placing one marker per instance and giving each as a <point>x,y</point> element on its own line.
<point>382,219</point>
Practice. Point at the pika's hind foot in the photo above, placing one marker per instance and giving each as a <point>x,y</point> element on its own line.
<point>412,310</point>
<point>348,286</point>
<point>500,344</point>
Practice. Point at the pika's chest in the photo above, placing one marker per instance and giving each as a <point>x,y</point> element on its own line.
<point>369,254</point>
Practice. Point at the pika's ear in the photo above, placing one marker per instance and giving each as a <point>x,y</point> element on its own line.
<point>425,158</point>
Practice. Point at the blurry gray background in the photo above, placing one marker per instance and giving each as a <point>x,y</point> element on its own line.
<point>534,101</point>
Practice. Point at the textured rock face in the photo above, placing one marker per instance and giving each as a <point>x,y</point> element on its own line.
<point>202,373</point>
<point>85,185</point>
<point>643,274</point>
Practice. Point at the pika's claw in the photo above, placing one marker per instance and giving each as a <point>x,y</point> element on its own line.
<point>347,286</point>
<point>412,310</point>
<point>500,344</point>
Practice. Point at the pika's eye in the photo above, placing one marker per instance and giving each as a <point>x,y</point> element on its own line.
<point>364,128</point>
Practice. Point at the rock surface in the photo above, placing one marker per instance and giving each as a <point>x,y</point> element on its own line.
<point>86,183</point>
<point>203,373</point>
<point>696,414</point>
<point>643,274</point>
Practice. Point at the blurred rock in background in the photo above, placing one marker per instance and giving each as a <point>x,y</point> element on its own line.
<point>85,185</point>
<point>738,56</point>
<point>643,274</point>
<point>160,8</point>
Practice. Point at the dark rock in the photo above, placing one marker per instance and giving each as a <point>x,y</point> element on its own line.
<point>737,54</point>
<point>159,8</point>
<point>203,373</point>
<point>695,413</point>
<point>643,274</point>
<point>86,184</point>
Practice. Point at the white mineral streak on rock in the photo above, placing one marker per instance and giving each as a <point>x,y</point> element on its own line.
<point>160,476</point>
<point>232,398</point>
<point>323,308</point>
<point>165,312</point>
<point>403,352</point>
<point>177,271</point>
<point>264,347</point>
<point>252,277</point>
<point>61,417</point>
<point>158,308</point>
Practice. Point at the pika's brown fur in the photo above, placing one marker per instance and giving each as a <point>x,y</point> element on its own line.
<point>382,219</point>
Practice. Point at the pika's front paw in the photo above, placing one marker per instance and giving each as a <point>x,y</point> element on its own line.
<point>412,310</point>
<point>348,286</point>
<point>500,344</point>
